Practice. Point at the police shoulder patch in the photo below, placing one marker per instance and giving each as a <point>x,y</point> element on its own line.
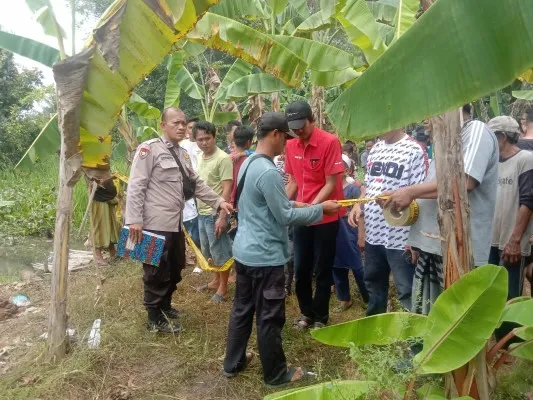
<point>143,152</point>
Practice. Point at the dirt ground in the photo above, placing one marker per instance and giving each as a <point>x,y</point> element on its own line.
<point>132,363</point>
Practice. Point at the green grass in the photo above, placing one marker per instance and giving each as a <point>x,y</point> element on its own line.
<point>34,193</point>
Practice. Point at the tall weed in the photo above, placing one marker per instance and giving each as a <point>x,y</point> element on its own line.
<point>34,197</point>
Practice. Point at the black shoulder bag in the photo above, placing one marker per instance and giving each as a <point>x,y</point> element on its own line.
<point>189,185</point>
<point>240,185</point>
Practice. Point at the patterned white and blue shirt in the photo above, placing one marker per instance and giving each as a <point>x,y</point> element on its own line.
<point>391,167</point>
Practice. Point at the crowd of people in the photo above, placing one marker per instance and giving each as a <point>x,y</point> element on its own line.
<point>270,201</point>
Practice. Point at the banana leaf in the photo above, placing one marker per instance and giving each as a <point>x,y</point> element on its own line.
<point>172,91</point>
<point>250,85</point>
<point>221,118</point>
<point>257,48</point>
<point>193,49</point>
<point>188,84</point>
<point>362,29</point>
<point>462,320</point>
<point>141,107</point>
<point>318,56</point>
<point>519,311</point>
<point>301,7</point>
<point>242,8</point>
<point>405,16</point>
<point>44,13</point>
<point>326,391</point>
<point>334,78</point>
<point>384,10</point>
<point>130,40</point>
<point>378,329</point>
<point>318,21</point>
<point>277,6</point>
<point>527,76</point>
<point>29,48</point>
<point>419,75</point>
<point>238,69</point>
<point>47,142</point>
<point>523,94</point>
<point>523,349</point>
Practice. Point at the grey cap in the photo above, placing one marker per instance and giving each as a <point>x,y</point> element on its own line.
<point>505,124</point>
<point>270,121</point>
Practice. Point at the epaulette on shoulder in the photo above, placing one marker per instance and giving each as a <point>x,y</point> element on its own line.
<point>151,141</point>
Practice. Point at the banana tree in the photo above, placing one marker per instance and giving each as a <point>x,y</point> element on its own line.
<point>458,327</point>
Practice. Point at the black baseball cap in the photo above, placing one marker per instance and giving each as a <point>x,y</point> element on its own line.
<point>297,113</point>
<point>270,121</point>
<point>420,133</point>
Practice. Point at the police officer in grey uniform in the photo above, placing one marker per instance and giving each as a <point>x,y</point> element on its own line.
<point>161,180</point>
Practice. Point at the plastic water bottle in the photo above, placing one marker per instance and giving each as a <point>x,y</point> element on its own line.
<point>94,336</point>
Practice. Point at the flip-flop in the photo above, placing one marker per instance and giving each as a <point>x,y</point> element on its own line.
<point>249,357</point>
<point>286,378</point>
<point>342,307</point>
<point>217,298</point>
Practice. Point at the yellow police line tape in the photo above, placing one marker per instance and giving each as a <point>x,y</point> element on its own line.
<point>393,217</point>
<point>200,259</point>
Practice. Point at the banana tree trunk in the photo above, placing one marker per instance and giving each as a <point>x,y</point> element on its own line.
<point>274,98</point>
<point>256,108</point>
<point>318,106</point>
<point>70,76</point>
<point>454,222</point>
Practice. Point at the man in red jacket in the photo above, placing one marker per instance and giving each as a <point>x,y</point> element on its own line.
<point>315,168</point>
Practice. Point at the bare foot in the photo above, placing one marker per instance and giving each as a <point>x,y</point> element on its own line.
<point>298,374</point>
<point>213,285</point>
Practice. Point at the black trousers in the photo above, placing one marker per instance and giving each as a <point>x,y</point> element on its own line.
<point>314,248</point>
<point>160,282</point>
<point>259,290</point>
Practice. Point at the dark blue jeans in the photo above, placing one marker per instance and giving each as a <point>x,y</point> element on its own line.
<point>514,271</point>
<point>192,228</point>
<point>515,274</point>
<point>379,263</point>
<point>341,278</point>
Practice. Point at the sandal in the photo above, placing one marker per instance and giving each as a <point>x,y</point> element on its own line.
<point>286,378</point>
<point>343,307</point>
<point>249,357</point>
<point>217,298</point>
<point>302,323</point>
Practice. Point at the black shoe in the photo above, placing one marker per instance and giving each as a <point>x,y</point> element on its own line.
<point>171,313</point>
<point>164,326</point>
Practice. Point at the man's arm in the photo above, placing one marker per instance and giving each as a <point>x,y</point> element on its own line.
<point>333,167</point>
<point>327,189</point>
<point>271,186</point>
<point>140,174</point>
<point>292,188</point>
<point>512,250</point>
<point>226,189</point>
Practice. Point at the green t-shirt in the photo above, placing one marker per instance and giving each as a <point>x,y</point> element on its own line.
<point>213,170</point>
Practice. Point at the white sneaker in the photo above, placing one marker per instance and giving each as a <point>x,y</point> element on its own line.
<point>197,270</point>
